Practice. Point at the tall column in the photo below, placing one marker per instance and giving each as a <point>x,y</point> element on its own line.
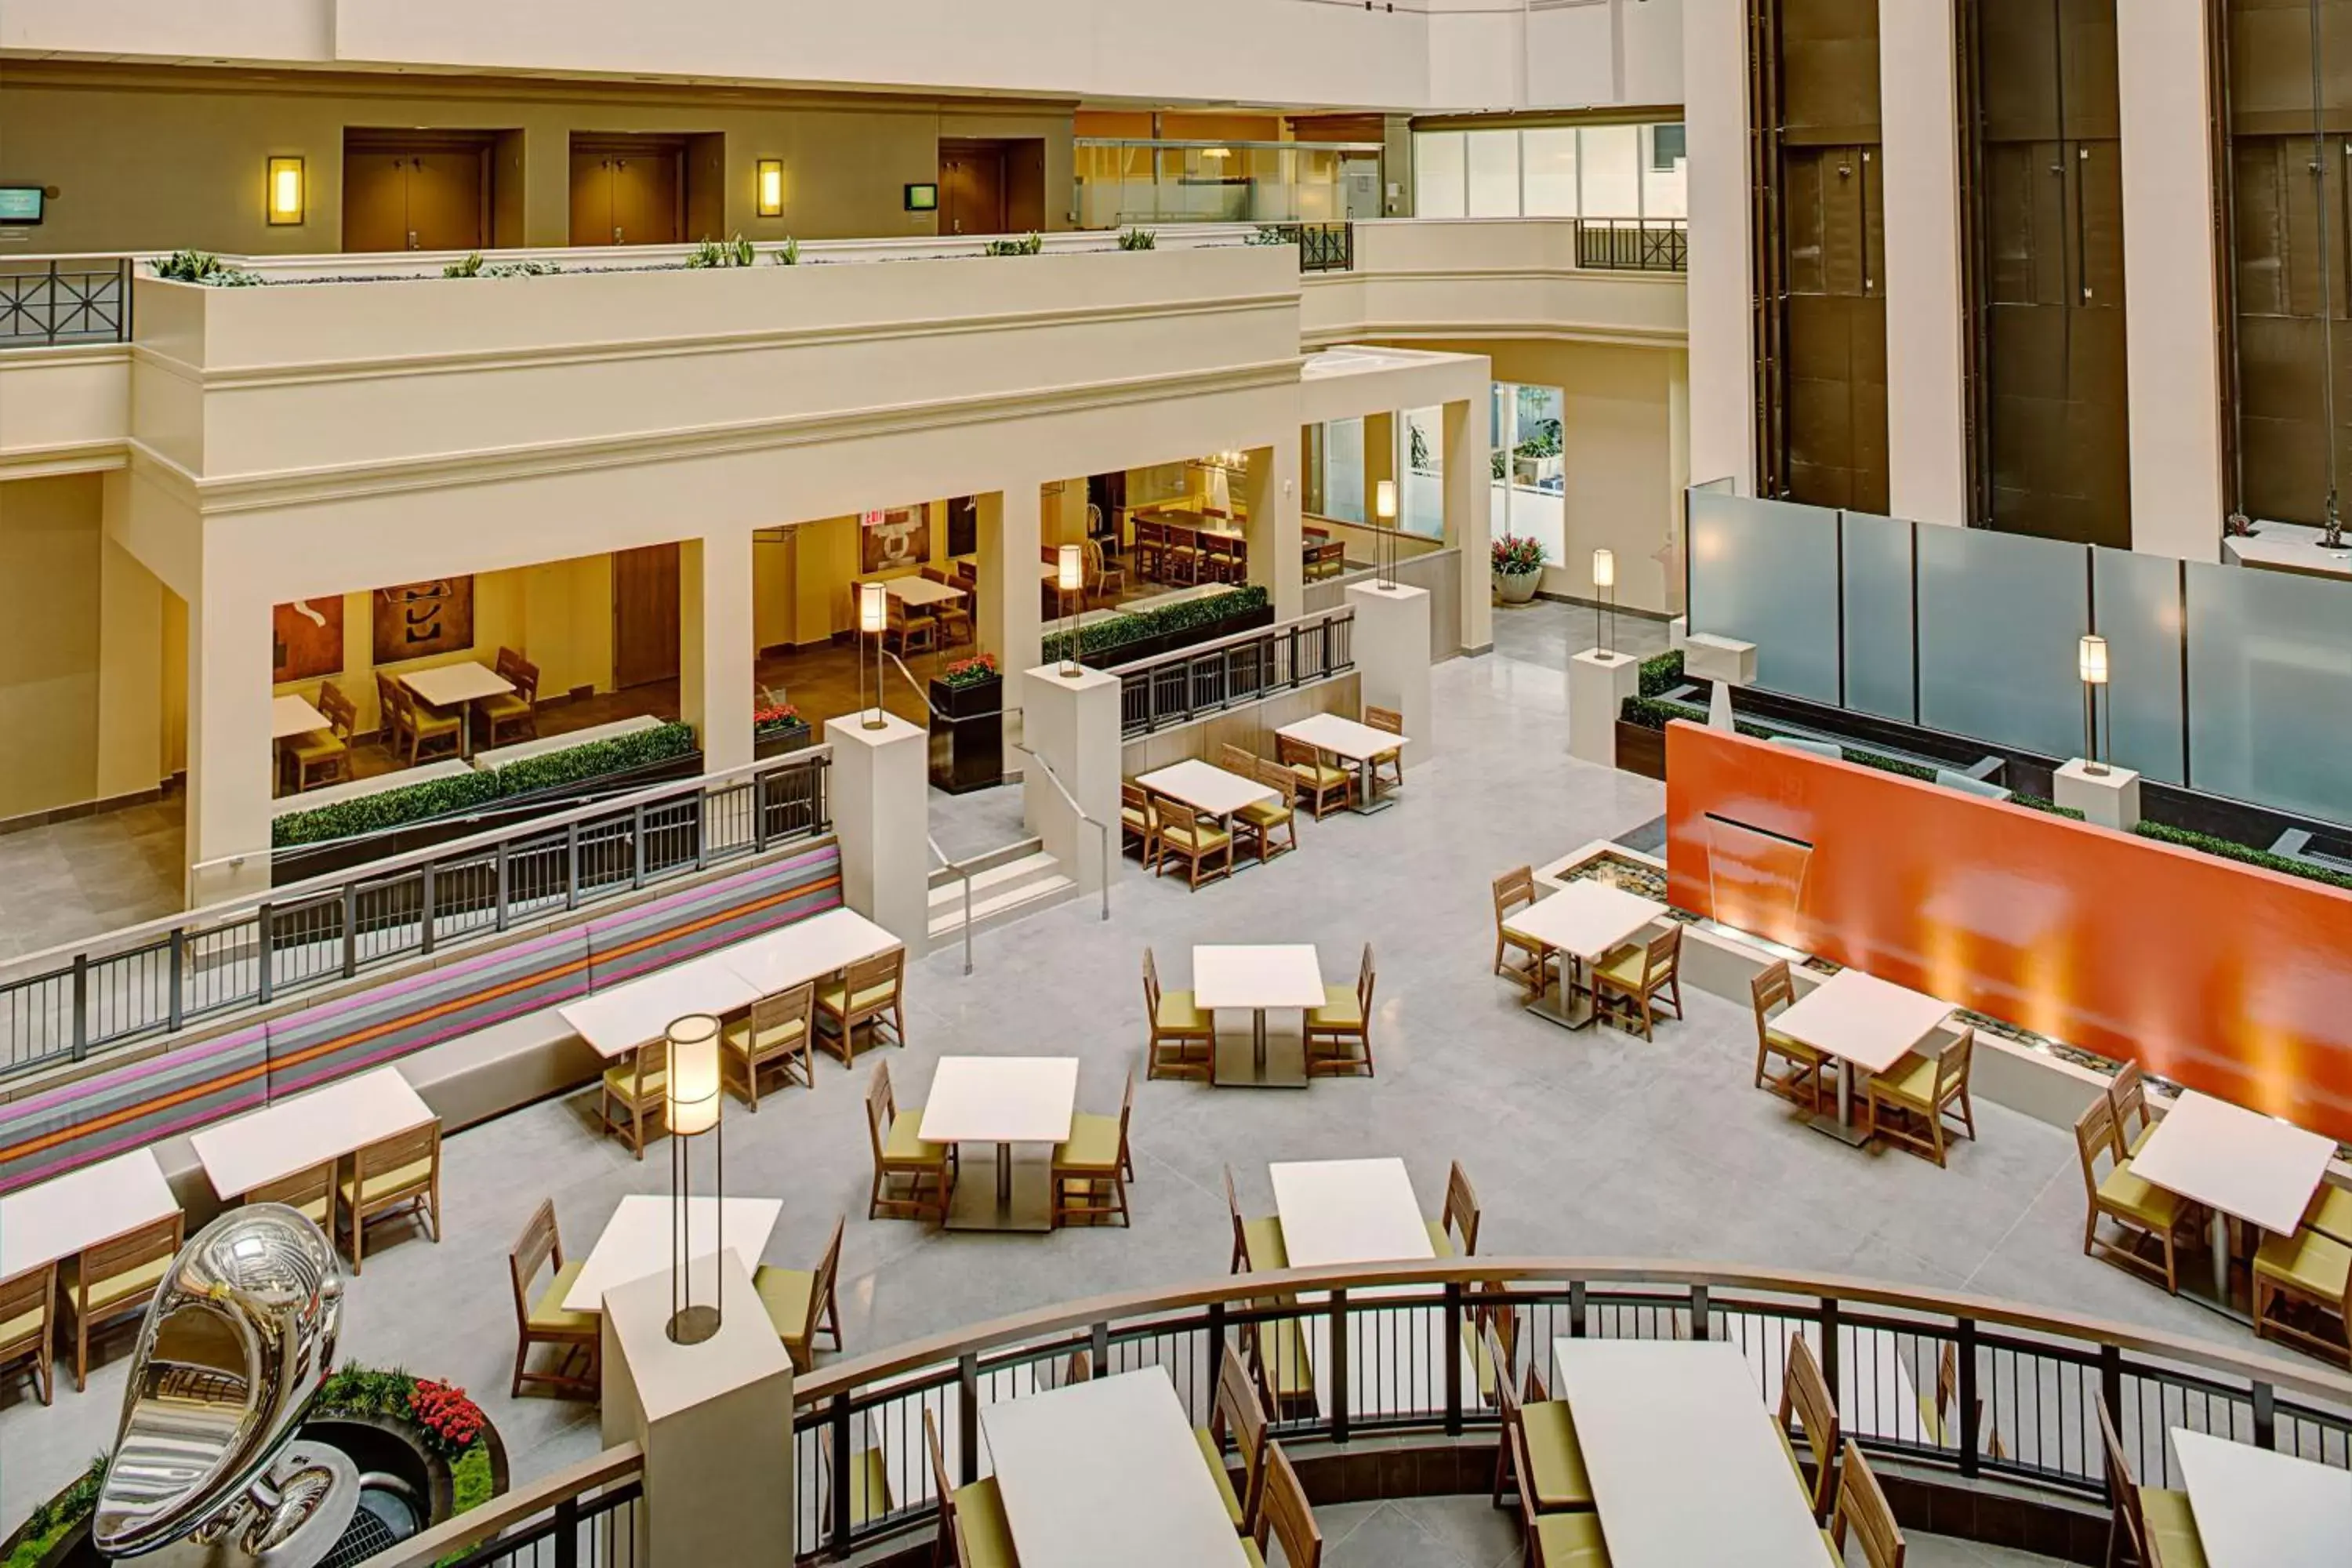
<point>881,805</point>
<point>1469,496</point>
<point>1270,492</point>
<point>715,645</point>
<point>1390,641</point>
<point>1927,429</point>
<point>229,752</point>
<point>2173,371</point>
<point>130,660</point>
<point>1722,357</point>
<point>1072,724</point>
<point>1678,476</point>
<point>1010,538</point>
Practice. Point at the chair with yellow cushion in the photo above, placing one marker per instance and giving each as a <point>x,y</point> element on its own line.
<point>1285,1514</point>
<point>2128,1092</point>
<point>1239,1413</point>
<point>1641,976</point>
<point>775,1035</point>
<point>2144,1210</point>
<point>871,992</point>
<point>1514,891</point>
<point>636,1086</point>
<point>803,1303</point>
<point>1091,1168</point>
<point>1772,993</point>
<point>911,1178</point>
<point>1261,818</point>
<point>1258,1243</point>
<point>426,724</point>
<point>311,1194</point>
<point>1339,1033</point>
<point>1863,1512</point>
<point>1388,721</point>
<point>1135,820</point>
<point>1806,1405</point>
<point>954,615</point>
<point>116,1277</point>
<point>542,1319</point>
<point>27,1320</point>
<point>322,756</point>
<point>1456,1228</point>
<point>1923,1089</point>
<point>1323,786</point>
<point>2153,1524</point>
<point>1554,1478</point>
<point>1491,1309</point>
<point>1555,1537</point>
<point>2311,1273</point>
<point>402,1173</point>
<point>512,715</point>
<point>1180,832</point>
<point>973,1530</point>
<point>1183,1038</point>
<point>2330,1213</point>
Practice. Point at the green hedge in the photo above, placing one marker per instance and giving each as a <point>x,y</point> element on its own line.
<point>1167,620</point>
<point>50,1521</point>
<point>1661,674</point>
<point>2231,849</point>
<point>433,797</point>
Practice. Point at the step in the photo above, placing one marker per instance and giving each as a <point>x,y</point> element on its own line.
<point>1001,907</point>
<point>948,891</point>
<point>1019,850</point>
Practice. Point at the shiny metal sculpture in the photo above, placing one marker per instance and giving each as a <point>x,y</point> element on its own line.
<point>207,1467</point>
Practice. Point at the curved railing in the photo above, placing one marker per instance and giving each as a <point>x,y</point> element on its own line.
<point>1355,1352</point>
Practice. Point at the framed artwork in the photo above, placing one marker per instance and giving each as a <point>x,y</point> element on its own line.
<point>307,639</point>
<point>893,540</point>
<point>963,525</point>
<point>416,619</point>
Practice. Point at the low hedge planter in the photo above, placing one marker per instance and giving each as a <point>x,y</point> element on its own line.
<point>1131,638</point>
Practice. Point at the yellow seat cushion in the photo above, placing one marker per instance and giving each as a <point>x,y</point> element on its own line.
<point>1830,1542</point>
<point>21,1327</point>
<point>869,1486</point>
<point>2127,1193</point>
<point>1440,1243</point>
<point>506,705</point>
<point>1626,966</point>
<point>1911,1078</point>
<point>434,720</point>
<point>986,1533</point>
<point>1251,1554</point>
<point>1555,1459</point>
<point>1339,1010</point>
<point>1572,1540</point>
<point>2174,1526</point>
<point>1265,813</point>
<point>1223,1477</point>
<point>1196,841</point>
<point>737,1038</point>
<point>1318,777</point>
<point>2141,1140</point>
<point>1264,1239</point>
<point>2330,1213</point>
<point>317,746</point>
<point>1791,1048</point>
<point>905,1146</point>
<point>1178,1016</point>
<point>786,1293</point>
<point>1131,818</point>
<point>549,1313</point>
<point>1092,1145</point>
<point>625,1084</point>
<point>105,1293</point>
<point>415,1173</point>
<point>2317,1265</point>
<point>830,998</point>
<point>1288,1372</point>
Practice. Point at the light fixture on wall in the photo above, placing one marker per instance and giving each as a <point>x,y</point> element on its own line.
<point>772,187</point>
<point>1069,577</point>
<point>284,194</point>
<point>691,1107</point>
<point>2091,660</point>
<point>1384,513</point>
<point>1604,583</point>
<point>872,615</point>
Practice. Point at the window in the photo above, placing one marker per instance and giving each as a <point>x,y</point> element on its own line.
<point>1494,162</point>
<point>1421,509</point>
<point>1610,161</point>
<point>1548,162</point>
<point>1667,148</point>
<point>1437,174</point>
<point>1343,470</point>
<point>1529,483</point>
<point>1564,171</point>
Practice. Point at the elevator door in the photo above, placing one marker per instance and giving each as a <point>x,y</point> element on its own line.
<point>414,198</point>
<point>628,191</point>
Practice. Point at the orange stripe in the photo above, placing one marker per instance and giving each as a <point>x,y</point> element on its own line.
<point>132,1112</point>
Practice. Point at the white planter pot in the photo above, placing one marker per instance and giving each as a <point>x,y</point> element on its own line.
<point>1517,587</point>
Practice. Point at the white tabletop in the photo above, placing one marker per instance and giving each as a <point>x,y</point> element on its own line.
<point>2258,1508</point>
<point>1107,1471</point>
<point>1342,737</point>
<point>292,715</point>
<point>2238,1161</point>
<point>1280,976</point>
<point>1663,1422</point>
<point>920,591</point>
<point>62,1215</point>
<point>639,1238</point>
<point>293,1135</point>
<point>374,783</point>
<point>490,760</point>
<point>619,1018</point>
<point>1001,1099</point>
<point>1863,1019</point>
<point>1207,788</point>
<point>805,950</point>
<point>1336,1211</point>
<point>895,1429</point>
<point>1586,918</point>
<point>446,684</point>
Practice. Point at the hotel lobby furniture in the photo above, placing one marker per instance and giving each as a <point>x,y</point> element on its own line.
<point>638,1088</point>
<point>541,1316</point>
<point>1454,1231</point>
<point>641,1240</point>
<point>1003,1100</point>
<point>1358,743</point>
<point>912,633</point>
<point>402,1172</point>
<point>1256,980</point>
<point>1923,1090</point>
<point>1639,976</point>
<point>974,1531</point>
<point>1176,1023</point>
<point>1863,1513</point>
<point>807,950</point>
<point>2144,1209</point>
<point>1514,891</point>
<point>2128,1092</point>
<point>633,1019</point>
<point>28,1304</point>
<point>1238,1412</point>
<point>1091,1167</point>
<point>871,991</point>
<point>2257,1507</point>
<point>775,1035</point>
<point>2310,1274</point>
<point>804,1302</point>
<point>1806,1402</point>
<point>112,1279</point>
<point>1260,820</point>
<point>516,710</point>
<point>1860,1021</point>
<point>911,1177</point>
<point>1322,784</point>
<point>2154,1524</point>
<point>1539,1454</point>
<point>1388,721</point>
<point>65,1227</point>
<point>2237,1165</point>
<point>316,740</point>
<point>448,686</point>
<point>1585,921</point>
<point>1771,992</point>
<point>1206,797</point>
<point>1135,819</point>
<point>1340,1032</point>
<point>294,1135</point>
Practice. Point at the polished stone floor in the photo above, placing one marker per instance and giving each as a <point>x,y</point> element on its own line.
<point>1588,1143</point>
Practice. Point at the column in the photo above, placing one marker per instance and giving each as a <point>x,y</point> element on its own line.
<point>1071,722</point>
<point>129,669</point>
<point>1379,455</point>
<point>1390,643</point>
<point>1270,492</point>
<point>230,756</point>
<point>1678,477</point>
<point>1927,431</point>
<point>2173,371</point>
<point>880,786</point>
<point>1469,496</point>
<point>1010,538</point>
<point>1722,361</point>
<point>715,645</point>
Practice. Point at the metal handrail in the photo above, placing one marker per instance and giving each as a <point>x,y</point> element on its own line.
<point>1072,801</point>
<point>961,870</point>
<point>1296,623</point>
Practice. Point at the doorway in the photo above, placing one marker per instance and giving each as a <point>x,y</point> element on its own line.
<point>644,615</point>
<point>992,186</point>
<point>417,190</point>
<point>628,190</point>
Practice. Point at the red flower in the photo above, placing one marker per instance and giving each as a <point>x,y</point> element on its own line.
<point>450,1421</point>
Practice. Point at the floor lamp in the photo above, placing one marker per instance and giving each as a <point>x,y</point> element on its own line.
<point>1069,577</point>
<point>1384,510</point>
<point>691,1108</point>
<point>872,615</point>
<point>1604,583</point>
<point>2092,660</point>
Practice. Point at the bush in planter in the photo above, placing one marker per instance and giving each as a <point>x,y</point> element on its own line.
<point>776,719</point>
<point>966,672</point>
<point>51,1522</point>
<point>1167,620</point>
<point>615,754</point>
<point>1662,673</point>
<point>1139,239</point>
<point>734,251</point>
<point>2231,849</point>
<point>1028,244</point>
<point>438,1413</point>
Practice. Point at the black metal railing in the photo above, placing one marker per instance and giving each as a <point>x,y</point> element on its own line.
<point>1322,246</point>
<point>1633,244</point>
<point>69,301</point>
<point>597,1532</point>
<point>153,979</point>
<point>1177,688</point>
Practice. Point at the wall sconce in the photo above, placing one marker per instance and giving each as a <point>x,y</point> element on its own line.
<point>1384,513</point>
<point>1069,577</point>
<point>1604,582</point>
<point>284,200</point>
<point>872,615</point>
<point>772,187</point>
<point>2091,661</point>
<point>691,1108</point>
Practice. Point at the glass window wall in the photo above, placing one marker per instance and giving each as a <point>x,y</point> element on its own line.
<point>1581,171</point>
<point>1119,183</point>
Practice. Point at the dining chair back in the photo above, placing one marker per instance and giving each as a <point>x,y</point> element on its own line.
<point>1150,547</point>
<point>1460,1219</point>
<point>1135,818</point>
<point>342,716</point>
<point>118,1276</point>
<point>925,1170</point>
<point>1515,890</point>
<point>1108,579</point>
<point>776,1034</point>
<point>1504,1358</point>
<point>28,1322</point>
<point>636,1085</point>
<point>1237,760</point>
<point>392,1174</point>
<point>1387,719</point>
<point>311,1194</point>
<point>2123,1488</point>
<point>2128,1092</point>
<point>1637,988</point>
<point>1240,1413</point>
<point>1285,1511</point>
<point>872,990</point>
<point>942,1484</point>
<point>1863,1510</point>
<point>1324,786</point>
<point>2143,1211</point>
<point>1771,992</point>
<point>1806,1404</point>
<point>391,718</point>
<point>541,1317</point>
<point>821,1303</point>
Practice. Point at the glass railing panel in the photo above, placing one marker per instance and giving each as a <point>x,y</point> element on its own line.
<point>1877,563</point>
<point>2269,687</point>
<point>1766,572</point>
<point>2136,599</point>
<point>2001,618</point>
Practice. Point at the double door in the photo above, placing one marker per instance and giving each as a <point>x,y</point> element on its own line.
<point>414,196</point>
<point>628,190</point>
<point>971,188</point>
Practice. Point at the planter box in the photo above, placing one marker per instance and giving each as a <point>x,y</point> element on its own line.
<point>1144,649</point>
<point>782,742</point>
<point>968,735</point>
<point>1641,750</point>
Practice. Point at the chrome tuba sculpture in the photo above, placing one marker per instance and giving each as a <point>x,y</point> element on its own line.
<point>207,1467</point>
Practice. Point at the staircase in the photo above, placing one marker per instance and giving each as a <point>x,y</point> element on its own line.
<point>1006,884</point>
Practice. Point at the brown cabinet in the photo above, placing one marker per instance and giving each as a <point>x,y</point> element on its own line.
<point>628,190</point>
<point>422,192</point>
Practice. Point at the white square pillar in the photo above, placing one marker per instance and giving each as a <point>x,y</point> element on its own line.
<point>1071,722</point>
<point>1469,499</point>
<point>1598,684</point>
<point>2111,799</point>
<point>1010,536</point>
<point>714,1419</point>
<point>881,814</point>
<point>716,648</point>
<point>1390,643</point>
<point>1927,431</point>
<point>231,758</point>
<point>1270,493</point>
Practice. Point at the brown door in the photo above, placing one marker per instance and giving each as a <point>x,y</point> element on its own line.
<point>444,199</point>
<point>592,199</point>
<point>375,201</point>
<point>415,190</point>
<point>644,615</point>
<point>971,188</point>
<point>647,193</point>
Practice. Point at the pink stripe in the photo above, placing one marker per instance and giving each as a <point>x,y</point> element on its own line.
<point>107,1149</point>
<point>169,1061</point>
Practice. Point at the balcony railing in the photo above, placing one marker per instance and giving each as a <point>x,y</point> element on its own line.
<point>1633,244</point>
<point>76,300</point>
<point>1248,667</point>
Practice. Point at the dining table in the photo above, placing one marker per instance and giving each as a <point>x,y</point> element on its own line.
<point>1352,743</point>
<point>1258,979</point>
<point>1007,1102</point>
<point>459,686</point>
<point>2257,1507</point>
<point>1585,921</point>
<point>60,1218</point>
<point>2239,1164</point>
<point>641,1240</point>
<point>1862,1022</point>
<point>303,1131</point>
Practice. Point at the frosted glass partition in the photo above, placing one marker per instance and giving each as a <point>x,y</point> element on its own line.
<point>2001,618</point>
<point>2270,687</point>
<point>2137,602</point>
<point>1877,563</point>
<point>1766,572</point>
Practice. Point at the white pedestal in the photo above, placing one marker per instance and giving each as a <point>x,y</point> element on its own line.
<point>1678,632</point>
<point>881,782</point>
<point>1391,649</point>
<point>1725,661</point>
<point>1598,684</point>
<point>715,1420</point>
<point>1072,723</point>
<point>2110,799</point>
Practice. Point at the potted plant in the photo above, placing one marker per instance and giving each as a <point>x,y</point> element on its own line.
<point>778,728</point>
<point>1518,566</point>
<point>967,724</point>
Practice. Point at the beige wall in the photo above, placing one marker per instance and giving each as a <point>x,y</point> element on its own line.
<point>132,173</point>
<point>52,543</point>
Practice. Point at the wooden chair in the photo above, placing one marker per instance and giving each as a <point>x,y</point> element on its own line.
<point>2145,1211</point>
<point>1514,891</point>
<point>2128,1092</point>
<point>1238,760</point>
<point>1862,1508</point>
<point>1180,832</point>
<point>2330,1212</point>
<point>1639,977</point>
<point>1806,1404</point>
<point>953,616</point>
<point>871,991</point>
<point>1560,1538</point>
<point>1939,1416</point>
<point>401,1173</point>
<point>1455,1231</point>
<point>1223,559</point>
<point>638,1087</point>
<point>1921,1088</point>
<point>2310,1271</point>
<point>1541,1452</point>
<point>513,715</point>
<point>114,1278</point>
<point>1180,555</point>
<point>324,756</point>
<point>1339,1033</point>
<point>1260,818</point>
<point>1323,786</point>
<point>1390,721</point>
<point>28,1305</point>
<point>1285,1513</point>
<point>776,1034</point>
<point>1135,819</point>
<point>1091,1168</point>
<point>1258,1243</point>
<point>542,1319</point>
<point>912,632</point>
<point>804,1302</point>
<point>311,1194</point>
<point>1239,1411</point>
<point>426,724</point>
<point>1175,1022</point>
<point>973,1530</point>
<point>1772,993</point>
<point>900,1155</point>
<point>1110,581</point>
<point>391,718</point>
<point>2155,1526</point>
<point>1151,550</point>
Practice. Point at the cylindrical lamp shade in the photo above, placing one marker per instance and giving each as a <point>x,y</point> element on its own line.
<point>1604,569</point>
<point>1384,501</point>
<point>872,614</point>
<point>2094,660</point>
<point>693,1075</point>
<point>772,187</point>
<point>1070,569</point>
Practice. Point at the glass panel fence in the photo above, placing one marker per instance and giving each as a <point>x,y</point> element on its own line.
<point>2136,601</point>
<point>1766,572</point>
<point>1877,566</point>
<point>2001,616</point>
<point>2270,689</point>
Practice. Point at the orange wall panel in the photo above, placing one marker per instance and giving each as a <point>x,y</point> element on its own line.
<point>2223,977</point>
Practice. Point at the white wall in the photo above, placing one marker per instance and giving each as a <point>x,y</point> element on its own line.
<point>1722,365</point>
<point>1927,432</point>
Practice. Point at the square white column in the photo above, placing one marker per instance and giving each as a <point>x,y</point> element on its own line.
<point>1270,493</point>
<point>1390,643</point>
<point>1598,684</point>
<point>1469,526</point>
<point>1926,437</point>
<point>2111,799</point>
<point>715,645</point>
<point>230,756</point>
<point>1011,534</point>
<point>880,787</point>
<point>1071,722</point>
